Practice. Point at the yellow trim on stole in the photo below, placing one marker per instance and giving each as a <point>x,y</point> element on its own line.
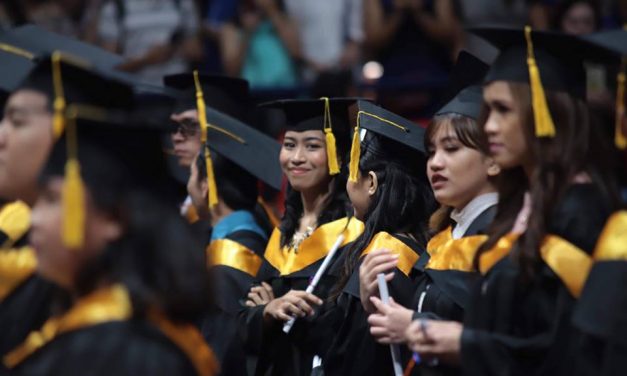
<point>453,254</point>
<point>187,338</point>
<point>14,221</point>
<point>568,262</point>
<point>231,253</point>
<point>312,249</point>
<point>612,244</point>
<point>383,240</point>
<point>16,265</point>
<point>103,305</point>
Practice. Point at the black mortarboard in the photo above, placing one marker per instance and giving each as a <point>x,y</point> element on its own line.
<point>542,59</point>
<point>465,86</point>
<point>245,146</point>
<point>43,42</point>
<point>16,64</point>
<point>615,40</point>
<point>329,115</point>
<point>386,124</point>
<point>229,95</point>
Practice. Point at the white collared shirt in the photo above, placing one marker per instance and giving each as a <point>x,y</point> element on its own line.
<point>464,218</point>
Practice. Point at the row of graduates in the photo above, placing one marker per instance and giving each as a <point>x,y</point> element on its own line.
<point>518,168</point>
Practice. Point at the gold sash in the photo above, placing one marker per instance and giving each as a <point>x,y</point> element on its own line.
<point>14,221</point>
<point>453,254</point>
<point>231,253</point>
<point>312,249</point>
<point>612,244</point>
<point>383,240</point>
<point>501,249</point>
<point>16,265</point>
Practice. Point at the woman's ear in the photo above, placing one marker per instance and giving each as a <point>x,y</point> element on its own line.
<point>111,229</point>
<point>373,183</point>
<point>493,168</point>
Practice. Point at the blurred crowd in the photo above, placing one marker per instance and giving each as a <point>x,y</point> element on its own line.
<point>398,50</point>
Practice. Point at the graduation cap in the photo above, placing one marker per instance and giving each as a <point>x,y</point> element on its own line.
<point>113,117</point>
<point>43,42</point>
<point>329,115</point>
<point>615,40</point>
<point>242,145</point>
<point>386,124</point>
<point>16,64</point>
<point>550,60</point>
<point>229,95</point>
<point>465,86</point>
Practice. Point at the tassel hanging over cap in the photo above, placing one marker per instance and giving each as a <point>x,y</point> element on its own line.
<point>542,115</point>
<point>202,119</point>
<point>334,168</point>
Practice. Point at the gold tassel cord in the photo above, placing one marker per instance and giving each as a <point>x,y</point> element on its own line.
<point>73,193</point>
<point>202,119</point>
<point>353,167</point>
<point>619,138</point>
<point>334,167</point>
<point>542,116</point>
<point>58,119</point>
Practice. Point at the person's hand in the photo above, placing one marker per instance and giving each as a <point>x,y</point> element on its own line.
<point>435,340</point>
<point>260,295</point>
<point>379,261</point>
<point>390,322</point>
<point>295,303</point>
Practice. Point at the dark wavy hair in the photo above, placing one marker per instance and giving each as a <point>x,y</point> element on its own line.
<point>471,136</point>
<point>578,146</point>
<point>402,203</point>
<point>157,257</point>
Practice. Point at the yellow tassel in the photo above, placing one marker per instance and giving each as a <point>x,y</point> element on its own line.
<point>73,206</point>
<point>212,196</point>
<point>58,119</point>
<point>333,164</point>
<point>353,167</point>
<point>202,120</point>
<point>542,115</point>
<point>619,137</point>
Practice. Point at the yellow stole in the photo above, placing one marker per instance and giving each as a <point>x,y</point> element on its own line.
<point>612,244</point>
<point>287,260</point>
<point>113,304</point>
<point>191,215</point>
<point>407,256</point>
<point>16,264</point>
<point>568,262</point>
<point>231,253</point>
<point>453,254</point>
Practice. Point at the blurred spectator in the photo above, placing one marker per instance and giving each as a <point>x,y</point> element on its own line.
<point>330,33</point>
<point>260,45</point>
<point>577,16</point>
<point>158,37</point>
<point>412,39</point>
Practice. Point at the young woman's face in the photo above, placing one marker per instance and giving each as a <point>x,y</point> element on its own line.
<point>55,261</point>
<point>360,193</point>
<point>25,142</point>
<point>579,19</point>
<point>197,189</point>
<point>186,138</point>
<point>303,160</point>
<point>504,128</point>
<point>457,173</point>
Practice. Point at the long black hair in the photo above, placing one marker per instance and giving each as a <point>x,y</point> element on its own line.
<point>402,203</point>
<point>157,257</point>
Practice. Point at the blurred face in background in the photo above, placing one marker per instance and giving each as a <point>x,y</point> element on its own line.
<point>579,19</point>
<point>186,137</point>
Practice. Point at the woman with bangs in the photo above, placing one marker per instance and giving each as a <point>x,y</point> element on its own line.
<point>462,176</point>
<point>555,194</point>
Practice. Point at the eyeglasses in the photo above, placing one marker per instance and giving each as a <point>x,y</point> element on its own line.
<point>186,127</point>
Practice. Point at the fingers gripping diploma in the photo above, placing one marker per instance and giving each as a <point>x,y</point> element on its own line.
<point>379,261</point>
<point>389,323</point>
<point>260,295</point>
<point>296,303</point>
<point>435,340</point>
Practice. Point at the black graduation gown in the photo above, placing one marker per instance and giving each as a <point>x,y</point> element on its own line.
<point>513,327</point>
<point>340,332</point>
<point>444,293</point>
<point>601,314</point>
<point>277,354</point>
<point>231,283</point>
<point>115,348</point>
